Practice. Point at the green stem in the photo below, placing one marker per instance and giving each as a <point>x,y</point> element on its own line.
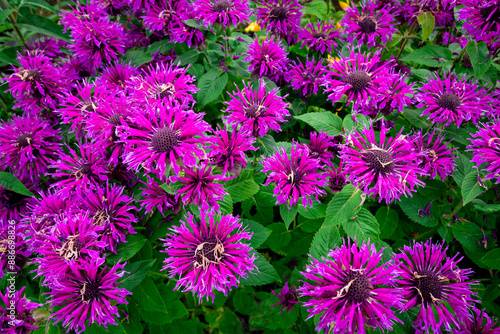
<point>455,61</point>
<point>158,274</point>
<point>12,20</point>
<point>406,38</point>
<point>459,206</point>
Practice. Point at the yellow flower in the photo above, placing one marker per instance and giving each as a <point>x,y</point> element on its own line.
<point>333,59</point>
<point>344,4</point>
<point>254,27</point>
<point>338,25</point>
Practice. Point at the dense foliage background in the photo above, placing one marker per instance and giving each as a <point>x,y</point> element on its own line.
<point>461,209</point>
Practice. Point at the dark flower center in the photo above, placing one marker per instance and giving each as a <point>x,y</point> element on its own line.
<point>491,13</point>
<point>90,291</point>
<point>85,169</point>
<point>31,75</point>
<point>449,101</point>
<point>102,217</point>
<point>165,90</point>
<point>279,13</point>
<point>71,248</point>
<point>358,80</point>
<point>294,177</point>
<point>368,25</point>
<point>291,296</point>
<point>254,111</point>
<point>3,246</point>
<point>88,108</point>
<point>358,287</point>
<point>115,119</point>
<point>308,77</point>
<point>12,199</point>
<point>210,250</point>
<point>24,140</point>
<point>164,140</point>
<point>380,161</point>
<point>221,6</point>
<point>337,182</point>
<point>429,284</point>
<point>319,34</point>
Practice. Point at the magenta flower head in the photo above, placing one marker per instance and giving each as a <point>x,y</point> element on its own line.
<point>280,17</point>
<point>451,100</point>
<point>370,26</point>
<point>13,246</point>
<point>336,178</point>
<point>321,147</point>
<point>111,209</point>
<point>164,15</point>
<point>165,83</point>
<point>224,12</point>
<point>29,146</point>
<point>155,197</point>
<point>208,255</point>
<point>361,77</point>
<point>72,239</point>
<point>162,135</point>
<point>227,149</point>
<point>117,76</point>
<point>295,176</point>
<point>319,36</point>
<point>350,288</point>
<point>256,111</point>
<point>385,167</point>
<point>201,187</point>
<point>23,322</point>
<point>288,298</point>
<point>436,158</point>
<point>37,84</point>
<point>433,281</point>
<point>479,323</point>
<point>81,170</point>
<point>481,19</point>
<point>267,59</point>
<point>306,78</point>
<point>86,293</point>
<point>397,95</point>
<point>486,149</point>
<point>182,33</point>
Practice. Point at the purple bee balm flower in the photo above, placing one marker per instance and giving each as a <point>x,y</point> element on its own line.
<point>480,323</point>
<point>361,77</point>
<point>306,78</point>
<point>161,135</point>
<point>280,17</point>
<point>384,167</point>
<point>268,59</point>
<point>14,206</point>
<point>28,145</point>
<point>295,176</point>
<point>80,14</point>
<point>319,36</point>
<point>336,178</point>
<point>288,298</point>
<point>164,15</point>
<point>481,19</point>
<point>201,187</point>
<point>397,95</point>
<point>73,239</point>
<point>320,147</point>
<point>256,111</point>
<point>117,76</point>
<point>433,281</point>
<point>370,26</point>
<point>208,255</point>
<point>98,42</point>
<point>111,209</point>
<point>436,158</point>
<point>37,84</point>
<point>224,12</point>
<point>227,149</point>
<point>451,100</point>
<point>351,288</point>
<point>182,33</point>
<point>155,197</point>
<point>86,293</point>
<point>123,176</point>
<point>165,83</point>
<point>50,47</point>
<point>486,149</point>
<point>81,170</point>
<point>13,246</point>
<point>23,310</point>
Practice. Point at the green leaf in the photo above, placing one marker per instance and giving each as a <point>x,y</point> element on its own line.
<point>468,234</point>
<point>12,183</point>
<point>363,227</point>
<point>411,206</point>
<point>430,55</point>
<point>113,329</point>
<point>486,208</point>
<point>189,57</point>
<point>260,233</point>
<point>280,236</point>
<point>388,220</point>
<point>427,22</point>
<point>137,58</point>
<point>288,215</point>
<point>39,3</point>
<point>343,206</point>
<point>492,259</point>
<point>413,116</point>
<point>325,239</point>
<point>471,187</point>
<point>323,121</point>
<point>128,249</point>
<point>43,25</point>
<point>266,273</point>
<point>242,187</point>
<point>318,210</point>
<point>317,8</point>
<point>265,197</point>
<point>210,86</point>
<point>463,167</point>
<point>147,296</point>
<point>479,57</point>
<point>4,14</point>
<point>226,204</point>
<point>352,122</point>
<point>136,272</point>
